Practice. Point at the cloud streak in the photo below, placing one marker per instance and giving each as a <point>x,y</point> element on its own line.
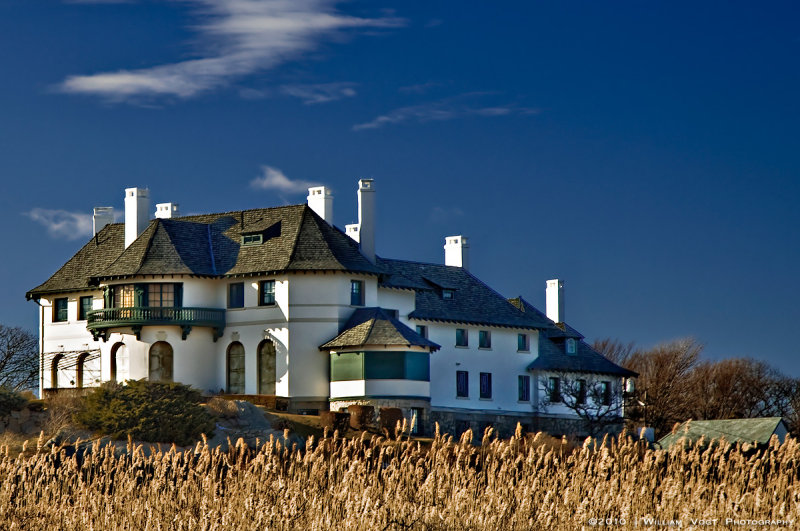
<point>321,92</point>
<point>63,223</point>
<point>275,179</point>
<point>241,37</point>
<point>442,110</point>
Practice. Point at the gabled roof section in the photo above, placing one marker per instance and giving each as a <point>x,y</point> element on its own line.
<point>376,327</point>
<point>757,430</point>
<point>92,258</point>
<point>321,246</point>
<point>473,301</point>
<point>553,357</point>
<point>295,238</point>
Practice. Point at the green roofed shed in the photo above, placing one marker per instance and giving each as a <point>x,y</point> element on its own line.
<point>758,430</point>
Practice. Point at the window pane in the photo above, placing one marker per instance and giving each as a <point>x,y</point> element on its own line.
<point>422,330</point>
<point>357,293</point>
<point>522,342</point>
<point>462,339</point>
<point>555,390</point>
<point>236,295</point>
<point>486,385</point>
<point>484,339</point>
<point>524,384</point>
<point>60,307</point>
<point>84,308</point>
<point>462,383</point>
<point>267,292</point>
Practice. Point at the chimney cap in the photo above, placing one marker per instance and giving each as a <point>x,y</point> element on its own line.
<point>366,184</point>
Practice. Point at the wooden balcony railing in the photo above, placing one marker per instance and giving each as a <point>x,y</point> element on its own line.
<point>135,317</point>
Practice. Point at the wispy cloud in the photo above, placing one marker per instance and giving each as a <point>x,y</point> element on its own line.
<point>241,37</point>
<point>275,179</point>
<point>63,223</point>
<point>320,92</point>
<point>445,109</point>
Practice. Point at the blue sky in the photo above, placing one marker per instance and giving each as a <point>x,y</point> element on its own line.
<point>646,153</point>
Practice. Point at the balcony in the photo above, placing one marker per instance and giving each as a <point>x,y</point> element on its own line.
<point>100,321</point>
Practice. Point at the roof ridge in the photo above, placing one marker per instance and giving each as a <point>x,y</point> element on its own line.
<point>297,238</point>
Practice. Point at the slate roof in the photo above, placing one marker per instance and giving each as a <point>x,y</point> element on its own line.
<point>552,348</point>
<point>376,327</point>
<point>553,357</point>
<point>295,239</point>
<point>473,303</point>
<point>554,329</point>
<point>757,430</point>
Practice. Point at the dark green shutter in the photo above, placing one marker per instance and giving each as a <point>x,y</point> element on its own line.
<point>178,295</point>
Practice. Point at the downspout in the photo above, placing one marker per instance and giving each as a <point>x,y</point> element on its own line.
<point>41,348</point>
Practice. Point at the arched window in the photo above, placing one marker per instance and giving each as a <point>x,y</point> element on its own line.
<point>236,368</point>
<point>161,362</point>
<point>54,371</point>
<point>79,369</point>
<point>266,367</point>
<point>119,362</point>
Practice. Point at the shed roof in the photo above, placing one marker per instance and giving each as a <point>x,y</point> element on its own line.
<point>758,430</point>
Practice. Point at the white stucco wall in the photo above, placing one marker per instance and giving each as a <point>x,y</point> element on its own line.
<point>503,362</point>
<point>69,337</point>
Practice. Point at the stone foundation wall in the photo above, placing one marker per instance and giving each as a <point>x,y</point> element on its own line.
<point>456,422</point>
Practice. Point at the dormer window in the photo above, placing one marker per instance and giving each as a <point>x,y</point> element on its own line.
<point>252,239</point>
<point>571,346</point>
<point>448,294</point>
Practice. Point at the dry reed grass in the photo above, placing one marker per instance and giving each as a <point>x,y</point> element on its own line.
<point>375,483</point>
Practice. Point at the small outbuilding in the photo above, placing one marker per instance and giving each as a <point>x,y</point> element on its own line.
<point>753,431</point>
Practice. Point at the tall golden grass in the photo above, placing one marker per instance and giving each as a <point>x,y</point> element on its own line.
<point>375,483</point>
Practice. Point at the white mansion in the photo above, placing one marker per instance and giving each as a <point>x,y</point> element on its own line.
<point>278,301</point>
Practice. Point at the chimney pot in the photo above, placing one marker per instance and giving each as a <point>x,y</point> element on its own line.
<point>554,300</point>
<point>320,200</point>
<point>456,251</point>
<point>137,208</point>
<point>366,217</point>
<point>167,210</point>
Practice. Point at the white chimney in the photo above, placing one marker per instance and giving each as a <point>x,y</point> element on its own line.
<point>366,217</point>
<point>456,251</point>
<point>137,208</point>
<point>320,201</point>
<point>352,231</point>
<point>554,300</point>
<point>167,210</point>
<point>102,216</point>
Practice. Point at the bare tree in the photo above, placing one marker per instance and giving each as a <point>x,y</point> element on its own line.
<point>615,350</point>
<point>19,363</point>
<point>663,385</point>
<point>596,399</point>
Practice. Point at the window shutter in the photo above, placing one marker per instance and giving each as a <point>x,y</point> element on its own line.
<point>178,295</point>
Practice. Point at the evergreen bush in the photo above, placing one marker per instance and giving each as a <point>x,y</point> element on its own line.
<point>147,411</point>
<point>10,400</point>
